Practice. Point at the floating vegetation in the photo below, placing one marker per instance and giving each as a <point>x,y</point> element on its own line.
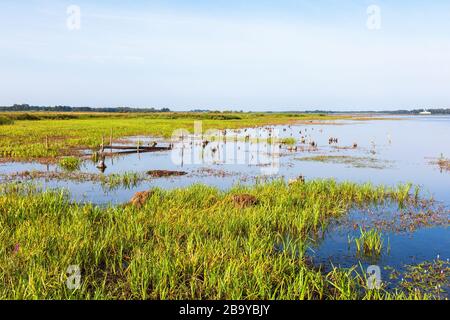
<point>432,278</point>
<point>391,217</point>
<point>369,242</point>
<point>70,163</point>
<point>212,172</point>
<point>356,162</point>
<point>165,173</point>
<point>288,141</point>
<point>442,162</point>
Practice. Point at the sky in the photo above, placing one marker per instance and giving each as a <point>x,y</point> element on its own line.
<point>253,55</point>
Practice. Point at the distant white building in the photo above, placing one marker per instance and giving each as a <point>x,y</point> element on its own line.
<point>425,113</point>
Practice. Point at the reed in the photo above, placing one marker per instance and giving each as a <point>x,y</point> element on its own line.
<point>369,242</point>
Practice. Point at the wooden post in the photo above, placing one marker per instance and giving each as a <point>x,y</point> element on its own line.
<point>46,143</point>
<point>103,144</point>
<point>111,140</point>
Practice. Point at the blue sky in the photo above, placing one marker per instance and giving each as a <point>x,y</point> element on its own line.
<point>249,55</point>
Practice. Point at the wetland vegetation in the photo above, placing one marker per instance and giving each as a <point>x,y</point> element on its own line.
<point>357,162</point>
<point>45,135</point>
<point>150,231</point>
<point>190,243</point>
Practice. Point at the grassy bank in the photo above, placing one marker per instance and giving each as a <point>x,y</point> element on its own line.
<point>193,243</point>
<point>45,136</point>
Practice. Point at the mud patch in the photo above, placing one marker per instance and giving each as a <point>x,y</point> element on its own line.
<point>140,198</point>
<point>165,173</point>
<point>244,200</point>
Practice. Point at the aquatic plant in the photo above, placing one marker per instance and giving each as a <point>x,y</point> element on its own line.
<point>70,163</point>
<point>288,141</point>
<point>431,277</point>
<point>125,180</point>
<point>356,162</point>
<point>369,242</point>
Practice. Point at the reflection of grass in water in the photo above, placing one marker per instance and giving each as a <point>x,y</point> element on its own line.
<point>189,243</point>
<point>357,162</point>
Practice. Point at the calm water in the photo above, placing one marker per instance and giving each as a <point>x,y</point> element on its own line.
<point>403,148</point>
<point>401,151</point>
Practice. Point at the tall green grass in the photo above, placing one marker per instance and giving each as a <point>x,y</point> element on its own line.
<point>190,243</point>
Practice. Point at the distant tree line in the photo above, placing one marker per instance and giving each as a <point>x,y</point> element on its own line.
<point>28,108</point>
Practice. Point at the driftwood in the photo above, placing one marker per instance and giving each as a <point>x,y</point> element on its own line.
<point>140,148</point>
<point>126,150</point>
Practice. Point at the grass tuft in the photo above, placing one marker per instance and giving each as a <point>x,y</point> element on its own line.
<point>70,163</point>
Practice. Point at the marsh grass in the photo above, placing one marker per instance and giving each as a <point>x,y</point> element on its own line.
<point>70,163</point>
<point>369,242</point>
<point>288,141</point>
<point>190,243</point>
